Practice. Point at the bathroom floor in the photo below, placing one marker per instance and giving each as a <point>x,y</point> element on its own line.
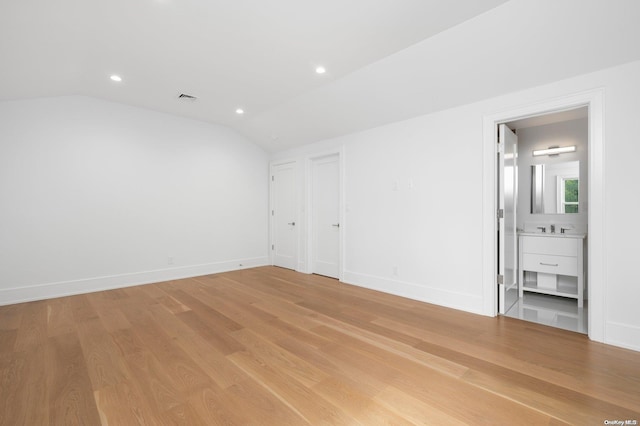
<point>554,311</point>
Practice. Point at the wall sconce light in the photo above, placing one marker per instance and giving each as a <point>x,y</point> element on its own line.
<point>554,150</point>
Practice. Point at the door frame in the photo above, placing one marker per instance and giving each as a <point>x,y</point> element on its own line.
<point>309,208</point>
<point>271,239</point>
<point>594,100</point>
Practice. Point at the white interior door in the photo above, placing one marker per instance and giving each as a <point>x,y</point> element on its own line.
<point>325,216</point>
<point>507,201</point>
<point>283,215</point>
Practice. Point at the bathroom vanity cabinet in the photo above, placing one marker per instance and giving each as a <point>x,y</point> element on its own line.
<point>554,258</point>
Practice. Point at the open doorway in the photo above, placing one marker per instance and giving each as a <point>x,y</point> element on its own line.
<point>543,224</point>
<point>594,101</point>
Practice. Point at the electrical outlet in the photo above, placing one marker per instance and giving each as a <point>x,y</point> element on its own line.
<point>170,260</point>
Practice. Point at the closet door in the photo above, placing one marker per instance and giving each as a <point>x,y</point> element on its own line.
<point>325,215</point>
<point>283,216</point>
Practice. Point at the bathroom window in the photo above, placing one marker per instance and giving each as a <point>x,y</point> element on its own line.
<point>569,195</point>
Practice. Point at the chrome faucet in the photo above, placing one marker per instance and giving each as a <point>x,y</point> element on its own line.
<point>562,229</point>
<point>553,229</point>
<point>543,228</point>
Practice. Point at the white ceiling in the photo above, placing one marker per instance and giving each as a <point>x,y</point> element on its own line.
<point>387,60</point>
<point>551,118</point>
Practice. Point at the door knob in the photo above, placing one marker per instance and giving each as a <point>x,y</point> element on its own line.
<point>291,223</point>
<point>337,225</point>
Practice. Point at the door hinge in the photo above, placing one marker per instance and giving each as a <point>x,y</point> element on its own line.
<point>500,214</point>
<point>273,178</point>
<point>272,212</point>
<point>273,246</point>
<point>500,279</point>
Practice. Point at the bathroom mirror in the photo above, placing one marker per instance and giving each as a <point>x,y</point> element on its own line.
<point>554,188</point>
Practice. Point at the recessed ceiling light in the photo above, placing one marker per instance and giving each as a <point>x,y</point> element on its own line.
<point>116,78</point>
<point>240,111</point>
<point>320,70</point>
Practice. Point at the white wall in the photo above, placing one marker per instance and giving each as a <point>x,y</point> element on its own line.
<point>433,231</point>
<point>572,132</point>
<point>98,195</point>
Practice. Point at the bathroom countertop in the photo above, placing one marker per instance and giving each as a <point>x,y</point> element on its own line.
<point>555,234</point>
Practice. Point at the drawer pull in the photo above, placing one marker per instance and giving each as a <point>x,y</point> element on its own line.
<point>549,264</point>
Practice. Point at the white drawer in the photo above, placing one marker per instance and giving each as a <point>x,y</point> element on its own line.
<point>551,245</point>
<point>551,264</point>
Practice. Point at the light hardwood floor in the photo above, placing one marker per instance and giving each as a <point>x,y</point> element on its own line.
<point>270,346</point>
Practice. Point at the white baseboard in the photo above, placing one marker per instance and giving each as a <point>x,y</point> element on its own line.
<point>622,335</point>
<point>420,292</point>
<point>302,267</point>
<point>9,296</point>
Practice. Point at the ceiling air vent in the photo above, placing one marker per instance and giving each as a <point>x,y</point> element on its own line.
<point>185,97</point>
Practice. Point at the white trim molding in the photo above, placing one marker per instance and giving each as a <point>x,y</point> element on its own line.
<point>424,293</point>
<point>619,334</point>
<point>9,296</point>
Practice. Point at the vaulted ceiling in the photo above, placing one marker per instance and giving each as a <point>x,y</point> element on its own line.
<point>385,60</point>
